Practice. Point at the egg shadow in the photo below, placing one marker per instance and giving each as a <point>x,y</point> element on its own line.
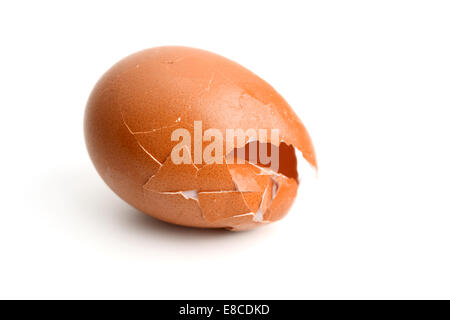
<point>85,194</point>
<point>141,222</point>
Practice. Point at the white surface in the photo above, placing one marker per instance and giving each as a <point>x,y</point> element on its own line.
<point>371,81</point>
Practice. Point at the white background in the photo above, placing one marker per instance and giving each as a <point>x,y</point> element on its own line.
<point>371,81</point>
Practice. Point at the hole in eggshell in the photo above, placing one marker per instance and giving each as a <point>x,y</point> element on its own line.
<point>287,162</point>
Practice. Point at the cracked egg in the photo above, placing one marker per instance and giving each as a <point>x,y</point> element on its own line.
<point>137,106</point>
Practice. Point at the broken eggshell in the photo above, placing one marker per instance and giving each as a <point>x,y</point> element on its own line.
<point>140,101</point>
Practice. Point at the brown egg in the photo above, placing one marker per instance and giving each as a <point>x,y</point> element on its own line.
<point>164,105</point>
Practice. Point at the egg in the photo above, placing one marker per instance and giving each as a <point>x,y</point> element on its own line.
<point>194,139</point>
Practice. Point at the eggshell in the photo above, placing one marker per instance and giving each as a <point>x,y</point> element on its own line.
<point>173,177</point>
<point>140,101</point>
